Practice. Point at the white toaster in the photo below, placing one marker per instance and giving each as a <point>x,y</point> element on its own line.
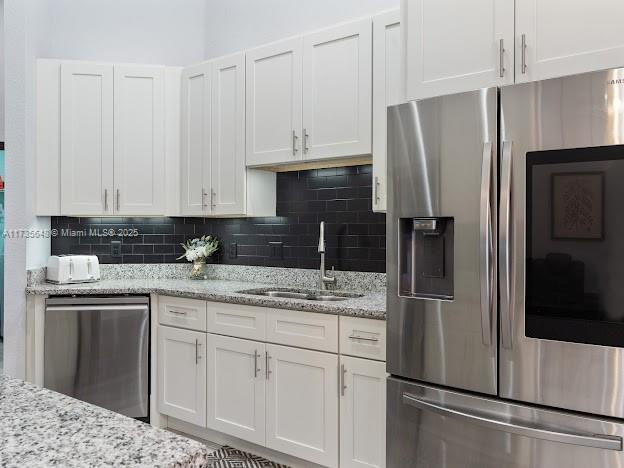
<point>65,269</point>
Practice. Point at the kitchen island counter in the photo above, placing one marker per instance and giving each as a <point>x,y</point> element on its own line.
<point>42,428</point>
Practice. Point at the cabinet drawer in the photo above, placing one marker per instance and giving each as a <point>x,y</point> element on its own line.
<point>362,337</point>
<point>303,329</point>
<point>237,320</point>
<point>182,312</point>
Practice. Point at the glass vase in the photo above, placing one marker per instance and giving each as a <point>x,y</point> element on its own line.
<point>198,270</point>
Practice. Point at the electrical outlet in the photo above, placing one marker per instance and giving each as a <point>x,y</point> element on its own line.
<point>277,250</point>
<point>233,250</point>
<point>115,248</point>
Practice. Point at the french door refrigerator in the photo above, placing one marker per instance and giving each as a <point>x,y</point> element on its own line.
<point>506,277</point>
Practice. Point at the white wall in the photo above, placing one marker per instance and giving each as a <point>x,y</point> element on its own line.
<point>233,25</point>
<point>17,106</point>
<point>1,70</point>
<point>164,32</point>
<point>169,32</point>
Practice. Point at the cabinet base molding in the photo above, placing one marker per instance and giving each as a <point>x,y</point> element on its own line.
<point>213,438</point>
<point>325,164</point>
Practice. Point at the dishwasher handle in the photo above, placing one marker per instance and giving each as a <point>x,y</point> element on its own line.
<point>77,308</point>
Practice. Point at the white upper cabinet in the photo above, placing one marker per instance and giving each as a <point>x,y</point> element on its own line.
<point>214,178</point>
<point>337,83</point>
<point>454,46</point>
<point>139,160</point>
<point>274,99</point>
<point>101,138</point>
<point>555,38</point>
<point>387,91</point>
<point>228,136</point>
<point>86,127</point>
<point>195,141</point>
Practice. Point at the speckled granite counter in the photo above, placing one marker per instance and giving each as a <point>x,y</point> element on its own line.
<point>41,428</point>
<point>371,305</point>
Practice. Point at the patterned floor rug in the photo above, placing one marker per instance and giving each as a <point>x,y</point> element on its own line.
<point>228,457</point>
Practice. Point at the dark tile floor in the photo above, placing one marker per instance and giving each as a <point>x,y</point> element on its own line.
<point>229,457</point>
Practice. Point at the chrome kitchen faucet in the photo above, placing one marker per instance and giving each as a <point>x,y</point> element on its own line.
<point>324,280</point>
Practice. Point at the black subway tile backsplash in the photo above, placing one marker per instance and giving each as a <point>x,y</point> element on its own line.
<point>355,236</point>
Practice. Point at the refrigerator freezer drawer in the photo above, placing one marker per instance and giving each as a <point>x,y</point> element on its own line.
<point>428,426</point>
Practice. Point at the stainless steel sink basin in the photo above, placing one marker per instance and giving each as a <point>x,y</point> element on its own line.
<point>303,294</point>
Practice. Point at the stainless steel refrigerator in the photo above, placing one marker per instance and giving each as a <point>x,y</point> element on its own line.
<point>506,277</point>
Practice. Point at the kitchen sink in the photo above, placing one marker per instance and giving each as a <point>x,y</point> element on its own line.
<point>303,294</point>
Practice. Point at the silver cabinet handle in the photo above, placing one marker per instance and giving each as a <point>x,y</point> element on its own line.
<point>343,386</point>
<point>203,199</point>
<point>306,136</point>
<point>105,199</point>
<point>523,47</point>
<point>501,58</point>
<point>213,194</point>
<point>256,370</point>
<point>117,199</point>
<point>294,143</point>
<point>376,189</point>
<point>197,356</point>
<point>486,270</point>
<point>504,253</point>
<point>266,363</point>
<point>177,312</point>
<point>357,337</point>
<point>535,432</point>
<point>71,268</point>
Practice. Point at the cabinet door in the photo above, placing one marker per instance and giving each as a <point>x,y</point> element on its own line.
<point>273,90</point>
<point>362,413</point>
<point>86,139</point>
<point>453,46</point>
<point>236,387</point>
<point>228,136</point>
<point>337,80</point>
<point>567,38</point>
<point>387,91</point>
<point>139,160</point>
<point>196,132</point>
<point>302,404</point>
<point>182,374</point>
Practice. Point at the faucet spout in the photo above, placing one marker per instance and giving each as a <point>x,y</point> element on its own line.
<point>321,244</point>
<point>324,280</point>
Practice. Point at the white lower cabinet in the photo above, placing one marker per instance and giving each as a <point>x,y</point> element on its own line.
<point>362,413</point>
<point>318,406</point>
<point>302,407</point>
<point>236,387</point>
<point>182,374</point>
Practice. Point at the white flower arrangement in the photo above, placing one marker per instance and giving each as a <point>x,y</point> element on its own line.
<point>199,249</point>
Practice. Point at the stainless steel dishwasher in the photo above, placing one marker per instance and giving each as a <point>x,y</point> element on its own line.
<point>96,350</point>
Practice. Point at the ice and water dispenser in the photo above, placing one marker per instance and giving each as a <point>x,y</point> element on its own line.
<point>426,258</point>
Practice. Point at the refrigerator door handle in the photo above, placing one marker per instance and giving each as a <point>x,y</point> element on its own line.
<point>599,441</point>
<point>506,286</point>
<point>486,271</point>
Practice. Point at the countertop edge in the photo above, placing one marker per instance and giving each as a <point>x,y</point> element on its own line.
<point>339,309</point>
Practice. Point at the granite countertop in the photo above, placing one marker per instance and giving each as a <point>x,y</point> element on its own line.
<point>370,305</point>
<point>42,428</point>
